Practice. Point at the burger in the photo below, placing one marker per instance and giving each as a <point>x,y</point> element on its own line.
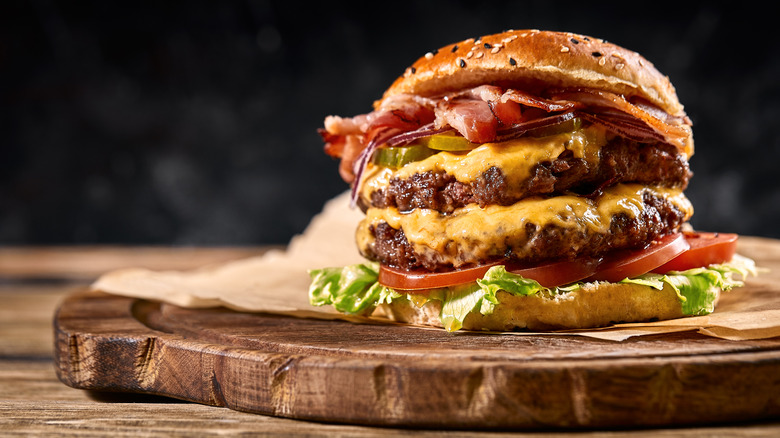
<point>525,180</point>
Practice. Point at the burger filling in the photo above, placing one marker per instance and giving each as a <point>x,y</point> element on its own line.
<point>566,195</point>
<point>432,187</point>
<point>558,186</point>
<point>531,230</point>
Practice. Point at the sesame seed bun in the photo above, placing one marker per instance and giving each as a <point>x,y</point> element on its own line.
<point>537,59</point>
<point>595,304</point>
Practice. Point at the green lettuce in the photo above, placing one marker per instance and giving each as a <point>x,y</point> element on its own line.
<point>354,289</point>
<point>698,288</point>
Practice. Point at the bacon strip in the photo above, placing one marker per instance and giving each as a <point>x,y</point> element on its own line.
<point>472,118</point>
<point>489,113</point>
<point>672,130</point>
<point>530,100</point>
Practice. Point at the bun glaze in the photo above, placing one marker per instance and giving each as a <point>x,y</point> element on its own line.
<point>533,59</point>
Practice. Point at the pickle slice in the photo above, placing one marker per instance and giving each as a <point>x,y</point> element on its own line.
<point>399,156</point>
<point>570,125</point>
<point>448,142</point>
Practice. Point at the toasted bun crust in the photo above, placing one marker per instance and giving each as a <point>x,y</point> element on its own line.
<point>532,58</point>
<point>594,305</point>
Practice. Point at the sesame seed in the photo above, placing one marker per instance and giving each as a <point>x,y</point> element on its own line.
<point>602,61</point>
<point>469,55</point>
<point>596,54</point>
<point>586,38</point>
<point>429,55</point>
<point>574,40</point>
<point>454,48</point>
<point>619,66</point>
<point>496,49</point>
<point>414,70</point>
<point>509,39</point>
<point>461,63</point>
<point>564,49</point>
<point>512,61</point>
<point>487,45</point>
<point>480,54</point>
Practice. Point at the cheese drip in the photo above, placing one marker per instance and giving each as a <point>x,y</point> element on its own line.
<point>472,233</point>
<point>516,158</point>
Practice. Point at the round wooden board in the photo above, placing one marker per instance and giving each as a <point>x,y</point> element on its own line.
<point>394,375</point>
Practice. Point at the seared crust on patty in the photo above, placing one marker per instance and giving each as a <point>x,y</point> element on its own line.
<point>621,161</point>
<point>533,242</point>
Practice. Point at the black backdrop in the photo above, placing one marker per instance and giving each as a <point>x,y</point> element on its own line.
<point>195,122</point>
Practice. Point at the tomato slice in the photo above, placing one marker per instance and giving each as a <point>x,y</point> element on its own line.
<point>705,249</point>
<point>419,279</point>
<point>550,274</point>
<point>557,273</point>
<point>628,264</point>
<point>676,252</point>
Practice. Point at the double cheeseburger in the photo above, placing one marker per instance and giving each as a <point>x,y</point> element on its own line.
<point>525,180</point>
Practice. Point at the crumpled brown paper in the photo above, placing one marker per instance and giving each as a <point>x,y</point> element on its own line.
<point>277,282</point>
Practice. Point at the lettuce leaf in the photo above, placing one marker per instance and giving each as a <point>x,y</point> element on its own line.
<point>698,288</point>
<point>354,289</point>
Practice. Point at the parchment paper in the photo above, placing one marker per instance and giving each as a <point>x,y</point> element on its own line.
<point>277,282</point>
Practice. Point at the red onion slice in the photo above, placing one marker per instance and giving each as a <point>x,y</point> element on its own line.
<point>519,129</point>
<point>379,138</point>
<point>422,132</point>
<point>625,128</point>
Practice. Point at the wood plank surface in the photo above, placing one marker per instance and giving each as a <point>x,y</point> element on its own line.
<point>88,262</point>
<point>33,401</point>
<point>393,375</point>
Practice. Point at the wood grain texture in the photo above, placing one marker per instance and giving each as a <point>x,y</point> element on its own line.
<point>393,375</point>
<point>33,402</point>
<point>88,262</point>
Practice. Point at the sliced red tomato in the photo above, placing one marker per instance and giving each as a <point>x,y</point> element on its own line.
<point>547,274</point>
<point>627,264</point>
<point>705,249</point>
<point>557,273</point>
<point>419,279</point>
<point>676,252</point>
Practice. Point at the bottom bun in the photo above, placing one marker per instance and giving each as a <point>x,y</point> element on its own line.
<point>594,305</point>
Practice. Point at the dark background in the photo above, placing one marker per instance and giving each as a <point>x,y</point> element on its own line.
<point>195,122</point>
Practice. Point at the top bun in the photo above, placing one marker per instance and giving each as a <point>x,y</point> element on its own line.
<point>532,59</point>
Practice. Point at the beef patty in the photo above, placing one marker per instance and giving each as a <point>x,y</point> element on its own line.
<point>621,161</point>
<point>658,218</point>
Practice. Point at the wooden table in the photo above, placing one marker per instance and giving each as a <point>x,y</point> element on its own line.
<point>33,281</point>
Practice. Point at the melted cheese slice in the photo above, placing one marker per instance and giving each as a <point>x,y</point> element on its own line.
<point>516,158</point>
<point>472,233</point>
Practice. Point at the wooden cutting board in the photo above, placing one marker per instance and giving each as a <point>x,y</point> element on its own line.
<point>394,375</point>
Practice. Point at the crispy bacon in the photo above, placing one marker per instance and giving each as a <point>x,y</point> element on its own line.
<point>472,118</point>
<point>490,113</point>
<point>673,130</point>
<point>532,101</point>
